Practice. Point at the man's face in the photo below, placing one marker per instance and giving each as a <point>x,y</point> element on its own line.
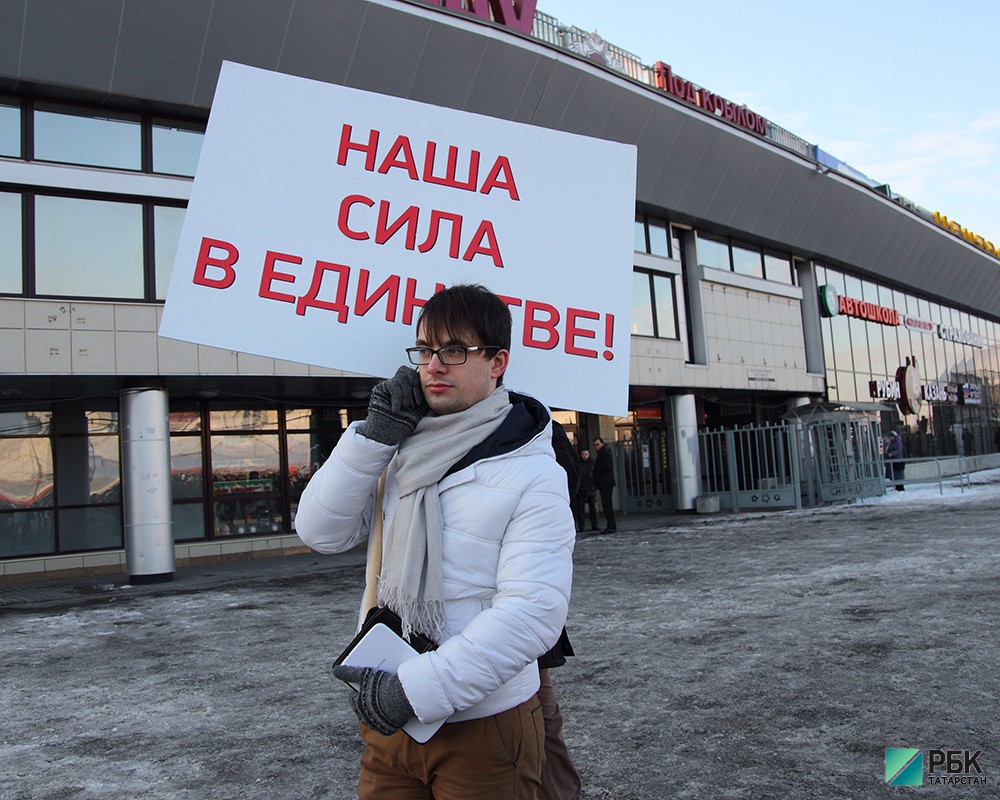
<point>450,389</point>
<point>598,444</point>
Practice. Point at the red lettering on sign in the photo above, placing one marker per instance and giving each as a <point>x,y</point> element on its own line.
<point>225,263</point>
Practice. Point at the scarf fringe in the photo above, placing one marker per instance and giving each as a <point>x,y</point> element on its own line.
<point>426,617</point>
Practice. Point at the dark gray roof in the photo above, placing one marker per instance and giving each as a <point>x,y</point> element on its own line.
<point>695,167</point>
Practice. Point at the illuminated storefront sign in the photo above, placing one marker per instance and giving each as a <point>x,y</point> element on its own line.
<point>518,15</point>
<point>833,304</point>
<point>921,325</point>
<point>950,334</point>
<point>965,233</point>
<point>970,394</point>
<point>700,97</point>
<point>905,390</point>
<point>935,392</point>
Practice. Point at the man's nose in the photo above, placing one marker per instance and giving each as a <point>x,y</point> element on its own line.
<point>435,365</point>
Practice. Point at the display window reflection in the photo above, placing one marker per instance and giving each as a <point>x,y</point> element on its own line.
<point>97,528</point>
<point>91,138</point>
<point>187,479</point>
<point>247,516</point>
<point>27,533</point>
<point>243,419</point>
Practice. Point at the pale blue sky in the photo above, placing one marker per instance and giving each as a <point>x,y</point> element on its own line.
<point>906,91</point>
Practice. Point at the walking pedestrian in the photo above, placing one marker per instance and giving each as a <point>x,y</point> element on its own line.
<point>477,556</point>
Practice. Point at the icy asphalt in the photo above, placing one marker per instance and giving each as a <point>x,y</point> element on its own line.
<point>726,656</point>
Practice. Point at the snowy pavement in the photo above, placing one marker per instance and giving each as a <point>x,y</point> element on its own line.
<point>764,655</point>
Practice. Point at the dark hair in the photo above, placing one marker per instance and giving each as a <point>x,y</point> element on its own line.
<point>467,308</point>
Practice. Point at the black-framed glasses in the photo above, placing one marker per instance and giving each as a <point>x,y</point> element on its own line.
<point>451,355</point>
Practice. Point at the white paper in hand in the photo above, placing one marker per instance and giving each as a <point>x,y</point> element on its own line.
<point>382,649</point>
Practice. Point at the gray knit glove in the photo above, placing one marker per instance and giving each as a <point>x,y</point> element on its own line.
<point>380,701</point>
<point>395,408</point>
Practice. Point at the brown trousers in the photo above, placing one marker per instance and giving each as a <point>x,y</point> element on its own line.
<point>560,779</point>
<point>478,759</point>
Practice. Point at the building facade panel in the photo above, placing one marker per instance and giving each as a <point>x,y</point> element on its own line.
<point>735,235</point>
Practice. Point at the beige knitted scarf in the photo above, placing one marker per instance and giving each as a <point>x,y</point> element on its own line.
<point>411,582</point>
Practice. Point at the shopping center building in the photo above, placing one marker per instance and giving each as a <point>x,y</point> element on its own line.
<point>768,275</point>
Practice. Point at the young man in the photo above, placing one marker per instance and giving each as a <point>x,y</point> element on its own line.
<point>477,555</point>
<point>604,482</point>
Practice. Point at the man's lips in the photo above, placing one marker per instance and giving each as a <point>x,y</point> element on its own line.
<point>436,388</point>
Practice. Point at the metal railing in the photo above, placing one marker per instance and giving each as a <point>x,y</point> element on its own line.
<point>962,471</point>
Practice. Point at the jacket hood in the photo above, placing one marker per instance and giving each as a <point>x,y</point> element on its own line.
<point>527,419</point>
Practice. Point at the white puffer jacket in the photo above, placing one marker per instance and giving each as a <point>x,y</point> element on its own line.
<point>507,561</point>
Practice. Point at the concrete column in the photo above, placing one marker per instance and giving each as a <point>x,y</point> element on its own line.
<point>694,308</point>
<point>146,497</point>
<point>685,472</point>
<point>811,332</point>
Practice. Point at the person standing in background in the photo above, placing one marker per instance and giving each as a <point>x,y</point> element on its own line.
<point>585,494</point>
<point>604,482</point>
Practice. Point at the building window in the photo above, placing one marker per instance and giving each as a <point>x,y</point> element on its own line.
<point>88,248</point>
<point>27,482</point>
<point>654,306</point>
<point>713,252</point>
<point>747,260</point>
<point>87,479</point>
<point>187,472</point>
<point>176,147</point>
<point>311,436</point>
<point>778,268</point>
<point>167,222</point>
<point>10,243</point>
<point>10,129</point>
<point>246,472</point>
<point>652,236</point>
<point>95,139</point>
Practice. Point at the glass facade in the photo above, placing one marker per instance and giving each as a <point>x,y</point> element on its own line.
<point>176,147</point>
<point>93,246</point>
<point>167,222</point>
<point>957,356</point>
<point>10,129</point>
<point>654,305</point>
<point>60,473</point>
<point>88,248</point>
<point>10,243</point>
<point>96,139</point>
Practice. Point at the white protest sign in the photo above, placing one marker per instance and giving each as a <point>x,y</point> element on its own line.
<point>322,218</point>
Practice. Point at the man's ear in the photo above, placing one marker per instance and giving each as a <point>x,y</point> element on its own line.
<point>499,362</point>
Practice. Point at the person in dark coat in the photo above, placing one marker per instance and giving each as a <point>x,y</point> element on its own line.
<point>604,482</point>
<point>585,494</point>
<point>895,470</point>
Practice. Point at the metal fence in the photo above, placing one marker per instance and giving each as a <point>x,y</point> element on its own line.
<point>644,474</point>
<point>756,467</point>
